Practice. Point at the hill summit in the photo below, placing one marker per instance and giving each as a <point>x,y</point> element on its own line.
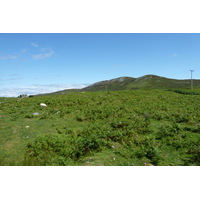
<point>144,82</point>
<point>149,81</point>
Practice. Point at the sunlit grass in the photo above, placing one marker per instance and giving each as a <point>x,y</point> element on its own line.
<point>144,127</point>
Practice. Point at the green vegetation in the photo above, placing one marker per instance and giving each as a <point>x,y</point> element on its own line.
<point>129,83</point>
<point>144,82</point>
<point>187,91</point>
<point>136,127</point>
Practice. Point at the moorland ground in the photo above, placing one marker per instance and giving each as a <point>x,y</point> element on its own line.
<point>130,128</point>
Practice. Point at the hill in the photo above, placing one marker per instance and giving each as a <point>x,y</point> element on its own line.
<point>58,92</point>
<point>120,83</point>
<point>144,82</point>
<point>130,83</point>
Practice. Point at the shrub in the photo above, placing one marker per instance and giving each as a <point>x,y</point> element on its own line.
<point>45,148</point>
<point>168,129</point>
<point>193,154</point>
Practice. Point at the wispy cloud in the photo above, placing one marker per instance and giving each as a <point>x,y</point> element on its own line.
<point>24,50</point>
<point>40,53</point>
<point>174,55</point>
<point>12,56</point>
<point>8,57</point>
<point>34,44</point>
<point>12,77</point>
<point>45,53</point>
<point>37,89</point>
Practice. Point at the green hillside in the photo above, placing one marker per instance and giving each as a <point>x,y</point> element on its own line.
<point>129,83</point>
<point>144,82</point>
<point>121,83</point>
<point>115,128</point>
<point>58,92</point>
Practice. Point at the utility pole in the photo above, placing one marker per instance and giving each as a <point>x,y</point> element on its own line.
<point>191,79</point>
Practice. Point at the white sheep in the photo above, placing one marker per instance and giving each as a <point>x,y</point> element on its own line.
<point>43,105</point>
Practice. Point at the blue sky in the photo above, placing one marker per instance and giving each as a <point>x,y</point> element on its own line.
<point>38,63</point>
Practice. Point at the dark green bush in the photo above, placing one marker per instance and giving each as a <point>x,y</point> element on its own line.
<point>193,153</point>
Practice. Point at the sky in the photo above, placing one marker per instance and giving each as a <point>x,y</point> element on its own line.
<point>33,63</point>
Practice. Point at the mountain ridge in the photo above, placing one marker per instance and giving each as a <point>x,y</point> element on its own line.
<point>148,81</point>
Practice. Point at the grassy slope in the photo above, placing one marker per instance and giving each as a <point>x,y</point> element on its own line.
<point>114,84</point>
<point>116,128</point>
<point>129,83</point>
<point>144,82</point>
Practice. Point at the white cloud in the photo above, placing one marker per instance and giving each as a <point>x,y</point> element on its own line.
<point>37,89</point>
<point>24,50</point>
<point>46,53</point>
<point>34,44</point>
<point>8,57</point>
<point>41,53</point>
<point>12,56</point>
